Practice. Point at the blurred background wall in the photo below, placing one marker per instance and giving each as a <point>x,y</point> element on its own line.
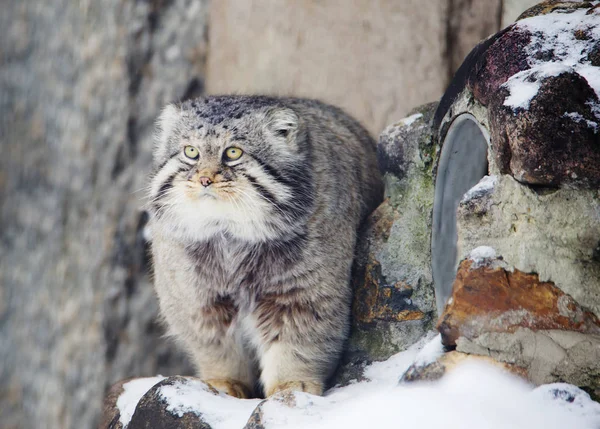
<point>81,82</point>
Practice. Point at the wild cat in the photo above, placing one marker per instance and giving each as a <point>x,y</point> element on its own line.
<point>255,205</point>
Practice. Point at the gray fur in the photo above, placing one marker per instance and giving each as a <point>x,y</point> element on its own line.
<point>254,278</point>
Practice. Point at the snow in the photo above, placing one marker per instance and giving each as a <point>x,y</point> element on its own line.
<point>577,117</point>
<point>485,185</point>
<point>555,33</point>
<point>132,393</point>
<point>481,254</point>
<point>431,352</point>
<point>524,85</point>
<point>219,411</point>
<point>409,120</point>
<point>473,396</point>
<point>569,397</point>
<point>521,90</point>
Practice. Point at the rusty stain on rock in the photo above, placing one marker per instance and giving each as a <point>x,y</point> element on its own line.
<point>491,299</point>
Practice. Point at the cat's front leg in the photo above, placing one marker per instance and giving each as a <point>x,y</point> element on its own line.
<point>210,335</point>
<point>285,368</point>
<point>224,366</point>
<point>302,341</point>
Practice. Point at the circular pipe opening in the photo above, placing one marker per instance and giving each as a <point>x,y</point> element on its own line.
<point>463,162</point>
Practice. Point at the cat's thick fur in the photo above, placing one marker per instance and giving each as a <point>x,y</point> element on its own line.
<point>252,270</point>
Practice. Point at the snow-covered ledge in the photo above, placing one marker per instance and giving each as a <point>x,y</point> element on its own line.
<point>377,401</point>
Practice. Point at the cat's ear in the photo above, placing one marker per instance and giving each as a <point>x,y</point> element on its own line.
<point>166,123</point>
<point>164,127</point>
<point>283,123</point>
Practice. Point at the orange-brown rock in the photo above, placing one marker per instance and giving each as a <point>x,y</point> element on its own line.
<point>377,301</point>
<point>488,298</point>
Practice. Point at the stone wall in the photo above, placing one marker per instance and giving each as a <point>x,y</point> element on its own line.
<point>377,59</point>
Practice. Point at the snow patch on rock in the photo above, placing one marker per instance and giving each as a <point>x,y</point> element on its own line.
<point>577,117</point>
<point>555,35</point>
<point>431,352</point>
<point>569,397</point>
<point>306,410</point>
<point>480,255</point>
<point>409,120</point>
<point>476,394</point>
<point>219,411</point>
<point>484,186</point>
<point>132,393</point>
<point>524,85</point>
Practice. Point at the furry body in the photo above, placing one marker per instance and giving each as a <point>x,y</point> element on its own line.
<point>252,271</point>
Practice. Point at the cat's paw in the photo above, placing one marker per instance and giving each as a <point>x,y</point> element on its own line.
<point>299,386</point>
<point>233,388</point>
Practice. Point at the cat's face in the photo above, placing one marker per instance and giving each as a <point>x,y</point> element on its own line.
<point>244,176</point>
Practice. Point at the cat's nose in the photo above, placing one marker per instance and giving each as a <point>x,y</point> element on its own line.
<point>205,181</point>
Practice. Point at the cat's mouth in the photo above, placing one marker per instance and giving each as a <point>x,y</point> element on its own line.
<point>210,193</point>
<point>206,194</point>
<point>201,193</point>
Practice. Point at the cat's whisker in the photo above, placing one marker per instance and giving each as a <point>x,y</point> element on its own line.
<point>270,202</point>
<point>245,203</point>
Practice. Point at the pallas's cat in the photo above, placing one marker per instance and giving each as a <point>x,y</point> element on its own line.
<point>255,204</point>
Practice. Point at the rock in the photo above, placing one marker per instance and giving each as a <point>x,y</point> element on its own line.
<point>174,402</point>
<point>529,96</point>
<point>553,233</point>
<point>531,91</point>
<point>550,6</point>
<point>111,415</point>
<point>255,420</point>
<point>487,297</point>
<point>258,419</point>
<point>394,301</point>
<point>533,86</point>
<point>555,142</point>
<point>122,399</point>
<point>432,371</point>
<point>514,318</point>
<point>568,396</point>
<point>158,409</point>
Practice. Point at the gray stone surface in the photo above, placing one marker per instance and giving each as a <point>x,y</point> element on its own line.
<point>394,303</point>
<point>554,233</point>
<point>375,58</point>
<point>541,210</point>
<point>547,356</point>
<point>80,85</point>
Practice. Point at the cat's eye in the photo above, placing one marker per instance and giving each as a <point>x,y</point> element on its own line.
<point>191,152</point>
<point>233,153</point>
